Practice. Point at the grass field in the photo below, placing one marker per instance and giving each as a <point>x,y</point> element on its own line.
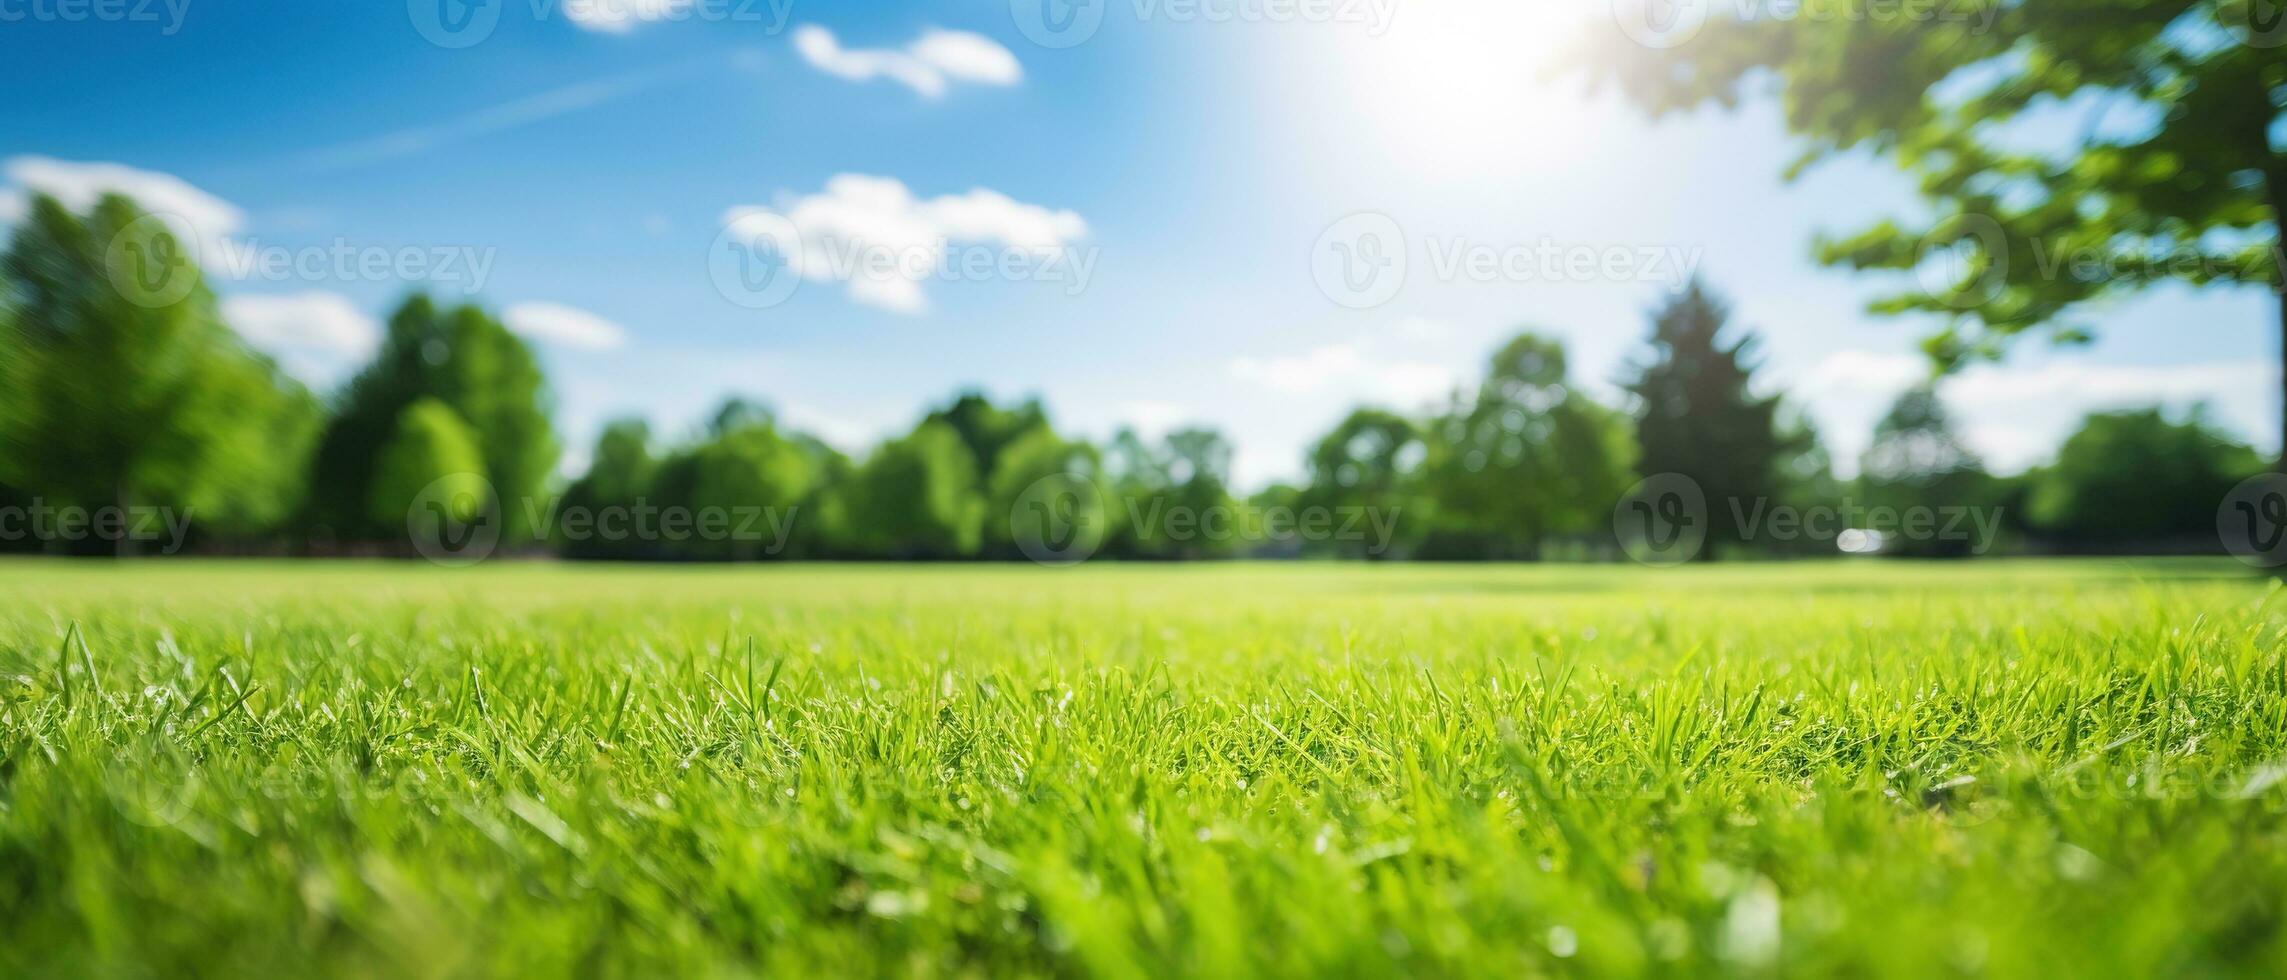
<point>2005,768</point>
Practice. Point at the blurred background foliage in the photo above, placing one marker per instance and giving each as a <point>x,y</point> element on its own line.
<point>119,386</point>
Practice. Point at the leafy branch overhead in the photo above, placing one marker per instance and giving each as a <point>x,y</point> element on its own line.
<point>2068,150</point>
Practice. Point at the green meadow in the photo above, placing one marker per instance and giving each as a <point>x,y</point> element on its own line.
<point>2012,768</point>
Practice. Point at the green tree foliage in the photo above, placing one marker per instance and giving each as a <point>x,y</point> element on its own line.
<point>747,467</point>
<point>1371,462</point>
<point>1040,454</point>
<point>1173,499</point>
<point>125,386</point>
<point>14,376</point>
<point>987,429</point>
<point>431,456</point>
<point>2137,476</point>
<point>1698,413</point>
<point>467,360</point>
<point>1916,462</point>
<point>1528,458</point>
<point>2173,168</point>
<point>1807,483</point>
<point>620,475</point>
<point>915,497</point>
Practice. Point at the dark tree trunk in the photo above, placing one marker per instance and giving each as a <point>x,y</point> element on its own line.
<point>2275,182</point>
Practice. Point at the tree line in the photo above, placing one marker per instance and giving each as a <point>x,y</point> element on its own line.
<point>122,387</point>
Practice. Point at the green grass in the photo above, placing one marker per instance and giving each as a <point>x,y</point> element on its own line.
<point>2006,768</point>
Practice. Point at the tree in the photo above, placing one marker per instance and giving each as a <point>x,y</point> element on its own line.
<point>1528,458</point>
<point>470,362</point>
<point>127,389</point>
<point>987,429</point>
<point>915,497</point>
<point>1917,463</point>
<point>1039,455</point>
<point>1195,516</point>
<point>620,475</point>
<point>1371,462</point>
<point>2136,476</point>
<point>1807,483</point>
<point>2175,173</point>
<point>431,457</point>
<point>1698,415</point>
<point>750,466</point>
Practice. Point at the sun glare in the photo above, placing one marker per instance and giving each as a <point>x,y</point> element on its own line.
<point>1459,88</point>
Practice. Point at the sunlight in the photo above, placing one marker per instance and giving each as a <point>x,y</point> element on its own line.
<point>1456,89</point>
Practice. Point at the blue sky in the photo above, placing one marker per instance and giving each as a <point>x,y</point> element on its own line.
<point>591,161</point>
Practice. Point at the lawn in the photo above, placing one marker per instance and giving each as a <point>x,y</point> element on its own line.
<point>2001,768</point>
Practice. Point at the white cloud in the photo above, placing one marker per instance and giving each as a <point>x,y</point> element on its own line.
<point>565,326</point>
<point>928,65</point>
<point>858,219</point>
<point>1350,368</point>
<point>2015,414</point>
<point>196,216</point>
<point>1423,330</point>
<point>319,337</point>
<point>1861,371</point>
<point>2106,385</point>
<point>621,16</point>
<point>1152,419</point>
